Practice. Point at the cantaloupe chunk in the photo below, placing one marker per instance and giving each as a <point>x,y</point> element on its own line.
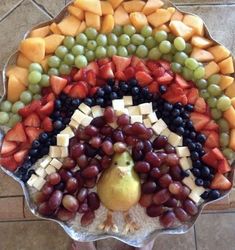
<point>106,7</point>
<point>225,81</point>
<point>52,42</point>
<point>92,6</point>
<point>33,48</point>
<point>233,101</point>
<point>219,52</point>
<point>230,91</point>
<point>201,42</point>
<point>92,20</point>
<point>55,29</point>
<point>107,24</point>
<point>229,115</point>
<point>211,69</point>
<point>40,32</point>
<point>133,6</point>
<point>69,25</point>
<point>178,28</point>
<point>226,66</point>
<point>201,55</point>
<point>77,12</point>
<point>115,3</point>
<point>82,27</point>
<point>161,16</point>
<point>138,19</point>
<point>196,23</point>
<point>162,27</point>
<point>14,89</point>
<point>23,61</point>
<point>121,17</point>
<point>151,6</point>
<point>44,64</point>
<point>177,16</point>
<point>232,139</point>
<point>20,73</point>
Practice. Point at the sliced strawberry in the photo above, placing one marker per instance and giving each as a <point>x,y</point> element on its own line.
<point>58,84</point>
<point>223,166</point>
<point>46,91</point>
<point>152,65</point>
<point>67,89</point>
<point>93,91</point>
<point>153,87</point>
<point>184,99</point>
<point>8,148</point>
<point>20,156</point>
<point>200,105</point>
<point>119,75</point>
<point>140,66</point>
<point>143,78</point>
<point>212,125</point>
<point>8,163</point>
<point>80,75</point>
<point>166,65</point>
<point>220,182</point>
<point>121,63</point>
<point>103,61</point>
<point>94,67</point>
<point>135,60</point>
<point>159,72</point>
<point>29,109</point>
<point>218,154</point>
<point>173,94</point>
<point>73,72</point>
<point>47,125</point>
<point>212,140</point>
<point>165,79</point>
<point>46,110</point>
<point>50,97</point>
<point>100,82</point>
<point>69,79</point>
<point>16,134</point>
<point>32,133</point>
<point>210,160</point>
<point>181,82</point>
<point>199,120</point>
<point>78,91</point>
<point>91,78</point>
<point>32,121</point>
<point>192,95</point>
<point>129,72</point>
<point>106,71</point>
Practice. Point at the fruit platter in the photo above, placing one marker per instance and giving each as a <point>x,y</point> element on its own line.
<point>118,119</point>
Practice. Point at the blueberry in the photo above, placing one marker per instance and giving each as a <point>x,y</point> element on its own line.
<point>107,89</point>
<point>210,177</point>
<point>53,140</point>
<point>25,178</point>
<point>26,165</point>
<point>178,105</point>
<point>167,106</point>
<point>187,141</point>
<point>175,112</point>
<point>100,93</point>
<point>201,152</point>
<point>167,120</point>
<point>58,125</point>
<point>162,89</point>
<point>36,144</point>
<point>205,172</point>
<point>33,152</point>
<point>43,137</point>
<point>194,155</point>
<point>66,120</point>
<point>198,146</point>
<point>184,174</point>
<point>144,92</point>
<point>205,195</point>
<point>111,82</point>
<point>88,102</point>
<point>196,172</point>
<point>212,171</point>
<point>201,138</point>
<point>214,194</point>
<point>193,135</point>
<point>189,108</point>
<point>33,159</point>
<point>199,182</point>
<point>180,130</point>
<point>113,96</point>
<point>186,132</point>
<point>44,150</point>
<point>135,91</point>
<point>197,164</point>
<point>133,82</point>
<point>149,97</point>
<point>206,184</point>
<point>100,101</point>
<point>68,101</point>
<point>124,87</point>
<point>185,115</point>
<point>178,121</point>
<point>189,124</point>
<point>165,113</point>
<point>63,97</point>
<point>60,186</point>
<point>58,104</point>
<point>192,146</point>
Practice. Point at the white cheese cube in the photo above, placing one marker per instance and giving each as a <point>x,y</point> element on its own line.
<point>182,151</point>
<point>32,179</point>
<point>113,125</point>
<point>190,182</point>
<point>134,110</point>
<point>64,152</point>
<point>74,124</point>
<point>199,190</point>
<point>166,132</point>
<point>45,162</point>
<point>96,111</point>
<point>86,121</point>
<point>39,183</point>
<point>78,116</point>
<point>186,163</point>
<point>136,118</point>
<point>159,126</point>
<point>146,108</point>
<point>147,123</point>
<point>194,197</point>
<point>121,112</point>
<point>56,163</point>
<point>68,131</point>
<point>54,152</point>
<point>41,172</point>
<point>118,104</point>
<point>174,139</point>
<point>84,108</point>
<point>153,117</point>
<point>180,142</point>
<point>62,140</point>
<point>128,100</point>
<point>50,170</point>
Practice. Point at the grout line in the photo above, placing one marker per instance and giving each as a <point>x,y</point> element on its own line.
<point>13,196</point>
<point>10,11</point>
<point>14,221</point>
<point>41,7</point>
<point>204,4</point>
<point>195,237</point>
<point>218,212</point>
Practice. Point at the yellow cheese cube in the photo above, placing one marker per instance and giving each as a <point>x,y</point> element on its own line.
<point>161,16</point>
<point>178,28</point>
<point>92,6</point>
<point>92,20</point>
<point>211,69</point>
<point>226,66</point>
<point>219,52</point>
<point>40,32</point>
<point>196,23</point>
<point>151,6</point>
<point>69,26</point>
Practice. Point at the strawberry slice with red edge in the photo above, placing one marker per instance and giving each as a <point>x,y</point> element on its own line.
<point>8,147</point>
<point>153,87</point>
<point>199,120</point>
<point>80,75</point>
<point>152,65</point>
<point>200,105</point>
<point>67,89</point>
<point>119,75</point>
<point>166,65</point>
<point>174,94</point>
<point>9,163</point>
<point>212,125</point>
<point>143,78</point>
<point>210,160</point>
<point>181,82</point>
<point>32,133</point>
<point>46,110</point>
<point>58,84</point>
<point>212,140</point>
<point>47,124</point>
<point>94,67</point>
<point>91,78</point>
<point>20,156</point>
<point>121,63</point>
<point>220,182</point>
<point>140,66</point>
<point>16,134</point>
<point>129,72</point>
<point>93,91</point>
<point>32,121</point>
<point>192,95</point>
<point>103,61</point>
<point>29,109</point>
<point>159,72</point>
<point>106,71</point>
<point>223,166</point>
<point>79,90</point>
<point>165,79</point>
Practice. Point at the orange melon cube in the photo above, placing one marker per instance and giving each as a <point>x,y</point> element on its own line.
<point>115,3</point>
<point>23,61</point>
<point>161,16</point>
<point>107,24</point>
<point>82,27</point>
<point>229,115</point>
<point>201,42</point>
<point>177,16</point>
<point>232,139</point>
<point>230,91</point>
<point>121,17</point>
<point>227,66</point>
<point>69,25</point>
<point>20,73</point>
<point>77,12</point>
<point>233,101</point>
<point>225,81</point>
<point>55,29</point>
<point>219,52</point>
<point>163,27</point>
<point>201,55</point>
<point>92,6</point>
<point>151,6</point>
<point>106,7</point>
<point>178,28</point>
<point>138,19</point>
<point>40,32</point>
<point>196,23</point>
<point>52,42</point>
<point>92,20</point>
<point>133,6</point>
<point>14,89</point>
<point>211,69</point>
<point>44,64</point>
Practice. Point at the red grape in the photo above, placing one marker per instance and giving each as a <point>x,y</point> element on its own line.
<point>90,183</point>
<point>172,202</point>
<point>147,135</point>
<point>165,180</point>
<point>65,175</point>
<point>127,130</point>
<point>93,201</point>
<point>154,210</point>
<point>39,197</point>
<point>79,178</point>
<point>106,162</point>
<point>106,130</point>
<point>55,200</point>
<point>87,218</point>
<point>81,135</point>
<point>153,159</point>
<point>142,167</point>
<point>118,136</point>
<point>119,147</point>
<point>146,200</point>
<point>83,208</point>
<point>109,115</point>
<point>139,145</point>
<point>65,215</point>
<point>69,163</point>
<point>123,120</point>
<point>70,203</point>
<point>91,130</point>
<point>169,149</point>
<point>160,142</point>
<point>149,187</point>
<point>190,207</point>
<point>181,214</point>
<point>167,219</point>
<point>90,172</point>
<point>137,155</point>
<point>139,128</point>
<point>82,194</point>
<point>98,122</point>
<point>47,189</point>
<point>185,191</point>
<point>82,161</point>
<point>77,150</point>
<point>107,147</point>
<point>175,173</point>
<point>44,209</point>
<point>164,169</point>
<point>161,197</point>
<point>147,146</point>
<point>155,173</point>
<point>172,160</point>
<point>175,188</point>
<point>95,142</point>
<point>72,185</point>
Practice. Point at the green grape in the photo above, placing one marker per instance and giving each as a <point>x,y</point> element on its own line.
<point>229,154</point>
<point>150,42</point>
<point>64,69</point>
<point>214,90</point>
<point>78,50</point>
<point>224,103</point>
<point>137,39</point>
<point>6,106</point>
<point>160,36</point>
<point>214,79</point>
<point>15,118</point>
<point>179,43</point>
<point>35,88</point>
<point>100,52</point>
<point>81,39</point>
<point>165,47</point>
<point>224,139</point>
<point>142,51</point>
<point>201,84</point>
<point>191,63</point>
<point>54,61</point>
<point>112,39</point>
<point>91,33</point>
<point>188,48</point>
<point>69,59</point>
<point>170,37</point>
<point>102,40</point>
<point>173,50</point>
<point>131,48</point>
<point>35,67</point>
<point>17,106</point>
<point>124,40</point>
<point>37,97</point>
<point>61,51</point>
<point>26,97</point>
<point>199,73</point>
<point>212,102</point>
<point>122,51</point>
<point>111,50</point>
<point>204,93</point>
<point>90,55</point>
<point>216,114</point>
<point>69,42</point>
<point>81,61</point>
<point>180,57</point>
<point>154,54</point>
<point>188,74</point>
<point>176,67</point>
<point>53,72</point>
<point>146,31</point>
<point>117,30</point>
<point>91,45</point>
<point>4,118</point>
<point>34,77</point>
<point>168,57</point>
<point>223,124</point>
<point>129,30</point>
